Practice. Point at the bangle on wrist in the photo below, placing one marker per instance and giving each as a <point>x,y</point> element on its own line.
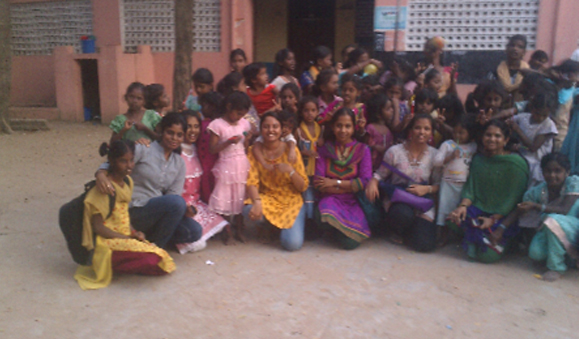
<point>502,226</point>
<point>463,205</point>
<point>292,173</point>
<point>543,208</point>
<point>430,189</point>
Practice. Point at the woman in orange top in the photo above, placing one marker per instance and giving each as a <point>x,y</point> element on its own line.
<point>275,197</point>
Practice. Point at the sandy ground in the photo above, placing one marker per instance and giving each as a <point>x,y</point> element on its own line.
<point>253,290</point>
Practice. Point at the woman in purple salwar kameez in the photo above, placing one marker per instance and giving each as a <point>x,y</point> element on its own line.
<point>343,168</point>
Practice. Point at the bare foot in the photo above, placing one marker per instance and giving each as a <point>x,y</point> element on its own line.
<point>240,237</point>
<point>239,229</point>
<point>551,276</point>
<point>226,236</point>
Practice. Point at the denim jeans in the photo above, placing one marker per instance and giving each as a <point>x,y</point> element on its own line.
<point>163,219</point>
<point>309,200</point>
<point>292,238</point>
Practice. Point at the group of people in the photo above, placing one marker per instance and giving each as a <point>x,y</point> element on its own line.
<point>347,151</point>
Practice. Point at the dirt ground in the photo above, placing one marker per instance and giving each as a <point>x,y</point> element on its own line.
<point>253,290</point>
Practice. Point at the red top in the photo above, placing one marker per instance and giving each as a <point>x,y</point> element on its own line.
<point>264,100</point>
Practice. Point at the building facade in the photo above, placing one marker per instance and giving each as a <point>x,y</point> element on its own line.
<point>135,40</point>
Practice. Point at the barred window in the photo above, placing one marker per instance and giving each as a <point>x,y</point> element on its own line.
<point>152,22</point>
<point>471,24</point>
<point>38,27</point>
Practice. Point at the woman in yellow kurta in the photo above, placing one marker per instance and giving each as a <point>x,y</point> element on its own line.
<point>275,197</point>
<point>117,247</point>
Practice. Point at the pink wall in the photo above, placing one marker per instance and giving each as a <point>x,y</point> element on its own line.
<point>107,22</point>
<point>558,28</point>
<point>33,81</point>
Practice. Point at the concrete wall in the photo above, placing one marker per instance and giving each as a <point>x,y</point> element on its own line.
<point>271,28</point>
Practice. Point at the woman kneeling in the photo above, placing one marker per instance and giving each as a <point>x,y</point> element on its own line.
<point>343,168</point>
<point>275,197</point>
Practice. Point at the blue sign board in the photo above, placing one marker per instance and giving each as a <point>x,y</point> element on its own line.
<point>385,18</point>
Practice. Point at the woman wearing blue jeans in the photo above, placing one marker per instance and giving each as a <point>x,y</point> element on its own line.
<point>275,197</point>
<point>157,208</point>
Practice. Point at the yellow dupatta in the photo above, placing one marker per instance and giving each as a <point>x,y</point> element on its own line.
<point>505,76</point>
<point>311,161</point>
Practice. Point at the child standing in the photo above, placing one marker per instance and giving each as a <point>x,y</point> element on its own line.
<point>234,82</point>
<point>451,108</point>
<point>228,136</point>
<point>202,83</point>
<point>370,87</point>
<point>380,113</point>
<point>156,98</point>
<point>487,100</point>
<point>210,222</point>
<point>261,94</point>
<point>326,88</point>
<point>538,60</point>
<point>454,156</point>
<point>309,135</point>
<point>237,60</point>
<point>394,89</point>
<point>425,103</point>
<point>536,132</point>
<point>351,87</point>
<point>433,80</point>
<point>284,68</point>
<point>211,105</point>
<point>289,96</point>
<point>137,123</point>
<point>322,60</point>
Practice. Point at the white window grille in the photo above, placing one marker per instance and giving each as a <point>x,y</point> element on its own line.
<point>38,27</point>
<point>471,24</point>
<point>152,22</point>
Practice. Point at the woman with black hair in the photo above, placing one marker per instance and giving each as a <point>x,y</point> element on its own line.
<point>322,59</point>
<point>157,208</point>
<point>284,69</point>
<point>343,168</point>
<point>496,183</point>
<point>409,167</point>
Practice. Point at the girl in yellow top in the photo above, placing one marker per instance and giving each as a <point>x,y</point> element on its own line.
<point>117,247</point>
<point>275,197</point>
<point>309,135</point>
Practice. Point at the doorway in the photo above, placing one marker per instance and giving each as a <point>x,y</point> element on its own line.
<point>310,23</point>
<point>90,89</point>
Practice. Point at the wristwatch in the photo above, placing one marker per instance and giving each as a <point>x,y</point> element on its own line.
<point>338,182</point>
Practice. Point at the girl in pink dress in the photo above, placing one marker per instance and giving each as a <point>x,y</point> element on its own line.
<point>212,223</point>
<point>229,137</point>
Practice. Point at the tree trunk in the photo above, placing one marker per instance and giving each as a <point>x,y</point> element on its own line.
<point>5,65</point>
<point>183,51</point>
